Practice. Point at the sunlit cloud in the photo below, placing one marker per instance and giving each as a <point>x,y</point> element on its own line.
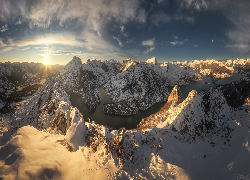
<point>91,14</point>
<point>62,39</point>
<point>66,53</point>
<point>5,49</point>
<point>3,59</point>
<point>24,49</point>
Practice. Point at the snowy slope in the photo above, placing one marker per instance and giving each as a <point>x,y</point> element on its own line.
<point>15,75</point>
<point>49,107</point>
<point>168,150</point>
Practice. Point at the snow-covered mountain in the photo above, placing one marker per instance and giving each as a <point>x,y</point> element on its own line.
<point>85,79</point>
<point>131,85</point>
<point>141,84</point>
<point>19,80</point>
<point>48,107</point>
<point>135,86</point>
<point>200,137</point>
<point>205,136</point>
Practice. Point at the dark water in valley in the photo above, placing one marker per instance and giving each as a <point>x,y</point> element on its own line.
<point>130,122</point>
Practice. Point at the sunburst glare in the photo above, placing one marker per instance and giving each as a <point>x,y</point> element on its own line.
<point>46,59</point>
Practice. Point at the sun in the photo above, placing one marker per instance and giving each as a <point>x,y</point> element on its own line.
<point>46,59</point>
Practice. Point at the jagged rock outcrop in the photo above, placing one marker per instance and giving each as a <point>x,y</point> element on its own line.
<point>198,116</point>
<point>174,98</point>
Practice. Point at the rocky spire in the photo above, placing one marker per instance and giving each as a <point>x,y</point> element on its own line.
<point>176,95</point>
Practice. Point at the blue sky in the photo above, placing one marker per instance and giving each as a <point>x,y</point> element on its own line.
<point>53,31</point>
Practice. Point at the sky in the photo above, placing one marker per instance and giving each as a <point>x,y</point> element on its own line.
<point>53,31</point>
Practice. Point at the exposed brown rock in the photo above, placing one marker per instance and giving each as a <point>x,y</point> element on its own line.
<point>154,119</point>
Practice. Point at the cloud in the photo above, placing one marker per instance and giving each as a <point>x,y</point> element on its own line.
<point>156,19</point>
<point>49,39</point>
<point>4,59</point>
<point>89,14</point>
<point>122,28</point>
<point>177,42</point>
<point>195,45</point>
<point>95,42</point>
<point>148,50</point>
<point>242,48</point>
<point>24,49</point>
<point>122,31</point>
<point>5,49</point>
<point>120,43</point>
<point>2,44</point>
<point>196,4</point>
<point>150,42</point>
<point>65,53</point>
<point>4,28</point>
<point>162,2</point>
<point>236,12</point>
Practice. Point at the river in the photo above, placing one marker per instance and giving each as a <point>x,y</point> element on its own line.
<point>130,122</point>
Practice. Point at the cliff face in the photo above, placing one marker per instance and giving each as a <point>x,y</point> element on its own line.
<point>198,116</point>
<point>174,99</point>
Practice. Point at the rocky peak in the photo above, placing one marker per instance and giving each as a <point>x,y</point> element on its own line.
<point>175,95</point>
<point>152,60</point>
<point>76,60</point>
